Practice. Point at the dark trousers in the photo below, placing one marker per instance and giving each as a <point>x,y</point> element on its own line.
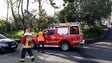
<point>24,50</point>
<point>38,46</point>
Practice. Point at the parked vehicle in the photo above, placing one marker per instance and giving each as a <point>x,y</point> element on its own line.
<point>65,36</point>
<point>7,44</point>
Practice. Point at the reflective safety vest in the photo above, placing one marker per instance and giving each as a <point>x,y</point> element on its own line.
<point>26,41</point>
<point>40,36</point>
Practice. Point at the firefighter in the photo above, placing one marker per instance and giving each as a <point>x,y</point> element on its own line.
<point>26,46</point>
<point>41,38</point>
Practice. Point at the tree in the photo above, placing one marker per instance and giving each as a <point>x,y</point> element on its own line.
<point>24,15</point>
<point>72,11</point>
<point>95,10</point>
<point>12,9</point>
<point>7,25</point>
<point>19,12</point>
<point>66,13</point>
<point>3,25</point>
<point>42,12</point>
<point>88,11</point>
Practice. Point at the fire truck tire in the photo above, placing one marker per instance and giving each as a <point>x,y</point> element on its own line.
<point>65,46</point>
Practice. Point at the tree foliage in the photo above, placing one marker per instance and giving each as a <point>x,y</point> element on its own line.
<point>88,11</point>
<point>68,13</point>
<point>3,25</point>
<point>95,10</point>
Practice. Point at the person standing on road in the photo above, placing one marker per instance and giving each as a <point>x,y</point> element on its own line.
<point>40,38</point>
<point>26,46</point>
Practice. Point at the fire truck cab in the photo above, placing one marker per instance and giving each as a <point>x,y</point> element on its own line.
<point>65,36</point>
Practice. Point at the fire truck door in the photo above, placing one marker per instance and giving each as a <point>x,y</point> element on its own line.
<point>51,38</point>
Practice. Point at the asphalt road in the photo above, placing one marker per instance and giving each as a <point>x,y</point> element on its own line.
<point>97,52</point>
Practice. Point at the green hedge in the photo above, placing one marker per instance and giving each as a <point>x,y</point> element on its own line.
<point>93,31</point>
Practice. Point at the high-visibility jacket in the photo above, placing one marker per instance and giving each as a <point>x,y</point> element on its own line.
<point>40,36</point>
<point>26,41</point>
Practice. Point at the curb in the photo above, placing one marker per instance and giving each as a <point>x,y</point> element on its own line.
<point>99,38</point>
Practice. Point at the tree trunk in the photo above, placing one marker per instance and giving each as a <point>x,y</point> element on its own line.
<point>7,28</point>
<point>23,18</point>
<point>27,15</point>
<point>40,14</point>
<point>15,20</point>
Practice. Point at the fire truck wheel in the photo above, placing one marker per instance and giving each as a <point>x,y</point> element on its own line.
<point>64,46</point>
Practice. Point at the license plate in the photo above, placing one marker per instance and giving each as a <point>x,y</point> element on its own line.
<point>13,46</point>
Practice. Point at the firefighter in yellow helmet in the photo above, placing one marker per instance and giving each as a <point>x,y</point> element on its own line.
<point>41,39</point>
<point>26,45</point>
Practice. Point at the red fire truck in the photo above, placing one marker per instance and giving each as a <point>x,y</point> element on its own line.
<point>65,36</point>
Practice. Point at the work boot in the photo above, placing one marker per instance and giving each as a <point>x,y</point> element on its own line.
<point>32,58</point>
<point>21,60</point>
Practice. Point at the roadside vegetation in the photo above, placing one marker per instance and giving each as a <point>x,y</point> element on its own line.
<point>95,31</point>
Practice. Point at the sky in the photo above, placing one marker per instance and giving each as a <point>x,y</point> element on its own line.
<point>49,9</point>
<point>3,11</point>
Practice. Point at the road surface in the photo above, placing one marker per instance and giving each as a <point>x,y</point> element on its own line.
<point>97,52</point>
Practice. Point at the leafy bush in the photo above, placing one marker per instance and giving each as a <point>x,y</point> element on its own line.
<point>96,29</point>
<point>15,34</point>
<point>92,32</point>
